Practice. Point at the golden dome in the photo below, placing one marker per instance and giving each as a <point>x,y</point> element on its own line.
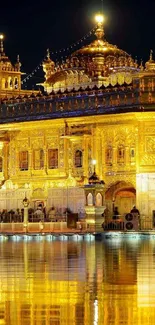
<point>47,60</point>
<point>57,77</point>
<point>99,62</point>
<point>110,55</point>
<point>100,47</point>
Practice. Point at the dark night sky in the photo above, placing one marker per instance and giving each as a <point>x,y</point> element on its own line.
<point>32,26</point>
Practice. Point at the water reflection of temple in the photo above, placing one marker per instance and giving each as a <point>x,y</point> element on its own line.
<point>87,282</point>
<point>42,287</point>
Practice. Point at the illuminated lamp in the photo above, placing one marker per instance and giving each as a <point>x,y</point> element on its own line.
<point>99,19</point>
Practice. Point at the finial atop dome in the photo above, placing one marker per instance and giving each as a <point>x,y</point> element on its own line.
<point>1,43</point>
<point>141,65</point>
<point>150,65</point>
<point>48,65</point>
<point>48,54</point>
<point>151,55</point>
<point>18,63</point>
<point>99,30</point>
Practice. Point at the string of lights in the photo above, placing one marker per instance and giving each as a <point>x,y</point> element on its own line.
<point>75,43</point>
<point>62,50</point>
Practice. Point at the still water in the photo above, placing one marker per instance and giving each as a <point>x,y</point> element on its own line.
<point>66,281</point>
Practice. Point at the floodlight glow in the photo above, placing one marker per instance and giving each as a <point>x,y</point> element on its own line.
<point>94,162</point>
<point>99,18</point>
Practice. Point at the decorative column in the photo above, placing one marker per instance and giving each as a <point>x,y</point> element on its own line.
<point>127,157</point>
<point>98,154</point>
<point>25,204</point>
<point>5,159</point>
<point>114,158</point>
<point>45,159</point>
<point>85,156</point>
<point>30,161</point>
<point>103,151</point>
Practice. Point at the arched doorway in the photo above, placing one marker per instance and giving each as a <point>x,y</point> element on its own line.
<point>125,199</point>
<point>122,195</point>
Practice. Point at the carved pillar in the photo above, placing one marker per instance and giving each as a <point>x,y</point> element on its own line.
<point>26,204</point>
<point>89,157</point>
<point>17,161</point>
<point>68,156</point>
<point>85,156</point>
<point>30,161</point>
<point>103,148</point>
<point>99,156</point>
<point>127,157</point>
<point>5,160</point>
<point>19,82</point>
<point>114,157</point>
<point>94,149</point>
<point>13,83</point>
<point>45,159</point>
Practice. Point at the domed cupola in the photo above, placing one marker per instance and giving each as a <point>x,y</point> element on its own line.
<point>96,64</point>
<point>100,57</point>
<point>150,65</point>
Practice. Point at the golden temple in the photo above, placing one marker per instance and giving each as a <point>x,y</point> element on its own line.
<point>99,104</point>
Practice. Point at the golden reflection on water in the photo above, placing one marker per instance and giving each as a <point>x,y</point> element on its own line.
<point>68,282</point>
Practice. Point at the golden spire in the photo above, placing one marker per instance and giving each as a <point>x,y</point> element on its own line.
<point>150,65</point>
<point>151,55</point>
<point>48,65</point>
<point>18,64</point>
<point>48,54</point>
<point>1,43</point>
<point>141,65</point>
<point>99,30</point>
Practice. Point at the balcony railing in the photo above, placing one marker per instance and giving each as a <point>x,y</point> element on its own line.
<point>74,104</point>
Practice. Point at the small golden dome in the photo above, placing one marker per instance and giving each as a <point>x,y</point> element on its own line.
<point>150,65</point>
<point>47,60</point>
<point>57,77</point>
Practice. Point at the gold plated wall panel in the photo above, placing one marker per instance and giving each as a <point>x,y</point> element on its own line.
<point>133,131</point>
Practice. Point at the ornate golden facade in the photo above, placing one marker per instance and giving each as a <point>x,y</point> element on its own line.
<point>99,105</point>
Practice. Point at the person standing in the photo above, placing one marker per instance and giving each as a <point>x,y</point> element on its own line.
<point>136,214</point>
<point>116,213</point>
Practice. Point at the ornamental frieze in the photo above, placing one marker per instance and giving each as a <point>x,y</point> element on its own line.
<point>131,137</point>
<point>123,135</point>
<point>52,131</point>
<point>51,142</point>
<point>23,143</point>
<point>23,134</point>
<point>148,159</point>
<point>37,133</point>
<point>120,138</point>
<point>150,143</point>
<point>37,143</point>
<point>113,179</point>
<point>150,129</point>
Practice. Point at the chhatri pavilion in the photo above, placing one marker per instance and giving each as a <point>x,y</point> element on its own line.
<point>97,107</point>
